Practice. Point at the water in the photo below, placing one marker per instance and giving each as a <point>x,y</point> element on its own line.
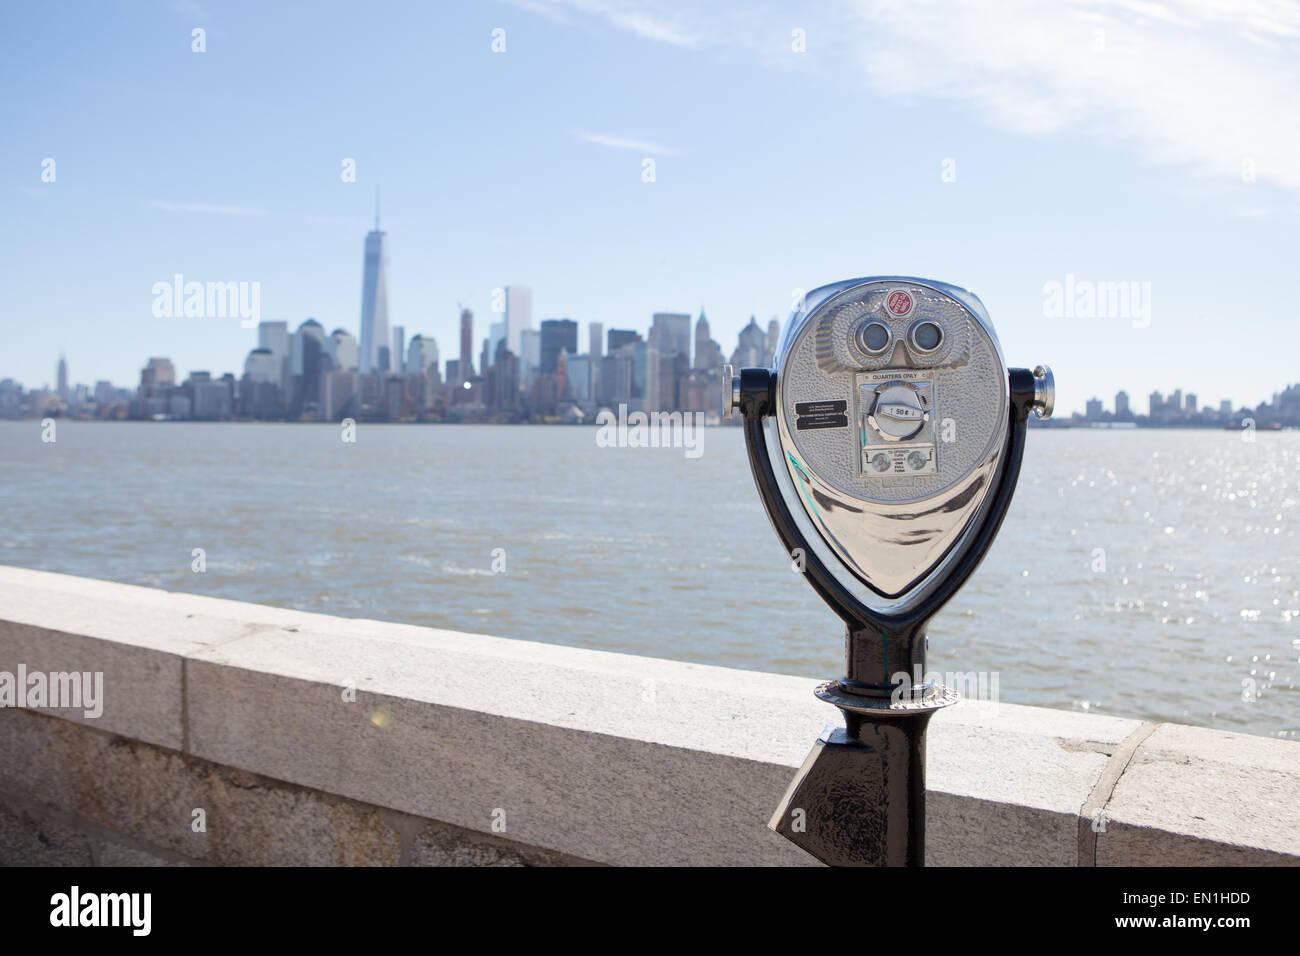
<point>1150,574</point>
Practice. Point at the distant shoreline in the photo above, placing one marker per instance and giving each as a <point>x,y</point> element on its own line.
<point>1043,426</point>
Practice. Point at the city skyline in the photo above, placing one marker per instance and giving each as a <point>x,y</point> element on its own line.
<point>308,375</point>
<point>1091,410</point>
<point>558,340</point>
<point>1178,409</point>
<point>279,354</point>
<point>300,363</point>
<point>374,309</point>
<point>621,196</point>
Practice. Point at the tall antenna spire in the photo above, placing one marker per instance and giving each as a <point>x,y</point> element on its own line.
<point>376,207</point>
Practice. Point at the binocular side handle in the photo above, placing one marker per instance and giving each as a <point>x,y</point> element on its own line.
<point>880,644</point>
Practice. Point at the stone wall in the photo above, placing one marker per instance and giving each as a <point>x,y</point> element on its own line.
<point>297,738</point>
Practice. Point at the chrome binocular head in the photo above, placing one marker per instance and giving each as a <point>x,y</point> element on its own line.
<point>887,429</point>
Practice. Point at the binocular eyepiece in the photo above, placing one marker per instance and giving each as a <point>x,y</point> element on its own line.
<point>885,442</point>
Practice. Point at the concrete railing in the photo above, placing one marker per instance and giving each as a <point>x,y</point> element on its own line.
<point>238,733</point>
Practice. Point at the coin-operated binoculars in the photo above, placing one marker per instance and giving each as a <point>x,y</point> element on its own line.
<point>885,442</point>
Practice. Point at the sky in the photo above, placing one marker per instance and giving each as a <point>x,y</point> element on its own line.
<point>1003,147</point>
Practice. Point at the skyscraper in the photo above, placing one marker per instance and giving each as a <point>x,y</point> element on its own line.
<point>63,377</point>
<point>751,346</point>
<point>261,366</point>
<point>398,349</point>
<point>340,394</point>
<point>374,297</point>
<point>309,365</point>
<point>617,338</point>
<point>342,348</point>
<point>646,371</point>
<point>158,372</point>
<point>274,337</point>
<point>558,335</point>
<point>577,378</point>
<point>421,355</point>
<point>465,369</point>
<point>530,355</point>
<point>519,314</point>
<point>259,389</point>
<point>674,332</point>
<point>595,341</point>
<point>495,342</point>
<point>708,354</point>
<point>309,330</point>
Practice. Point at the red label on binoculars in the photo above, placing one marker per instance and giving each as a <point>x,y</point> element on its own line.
<point>899,303</point>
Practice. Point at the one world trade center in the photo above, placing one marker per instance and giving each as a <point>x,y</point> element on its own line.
<point>374,302</point>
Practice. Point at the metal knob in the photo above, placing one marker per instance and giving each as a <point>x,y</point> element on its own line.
<point>1044,392</point>
<point>897,412</point>
<point>730,391</point>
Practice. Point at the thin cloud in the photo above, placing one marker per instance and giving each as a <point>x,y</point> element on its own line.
<point>1202,84</point>
<point>189,8</point>
<point>547,8</point>
<point>648,19</point>
<point>635,145</point>
<point>202,207</point>
<point>1188,84</point>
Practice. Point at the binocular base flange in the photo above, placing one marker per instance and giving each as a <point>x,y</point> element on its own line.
<point>859,798</point>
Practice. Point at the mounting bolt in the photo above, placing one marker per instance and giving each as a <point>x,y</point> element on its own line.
<point>1044,392</point>
<point>730,391</point>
